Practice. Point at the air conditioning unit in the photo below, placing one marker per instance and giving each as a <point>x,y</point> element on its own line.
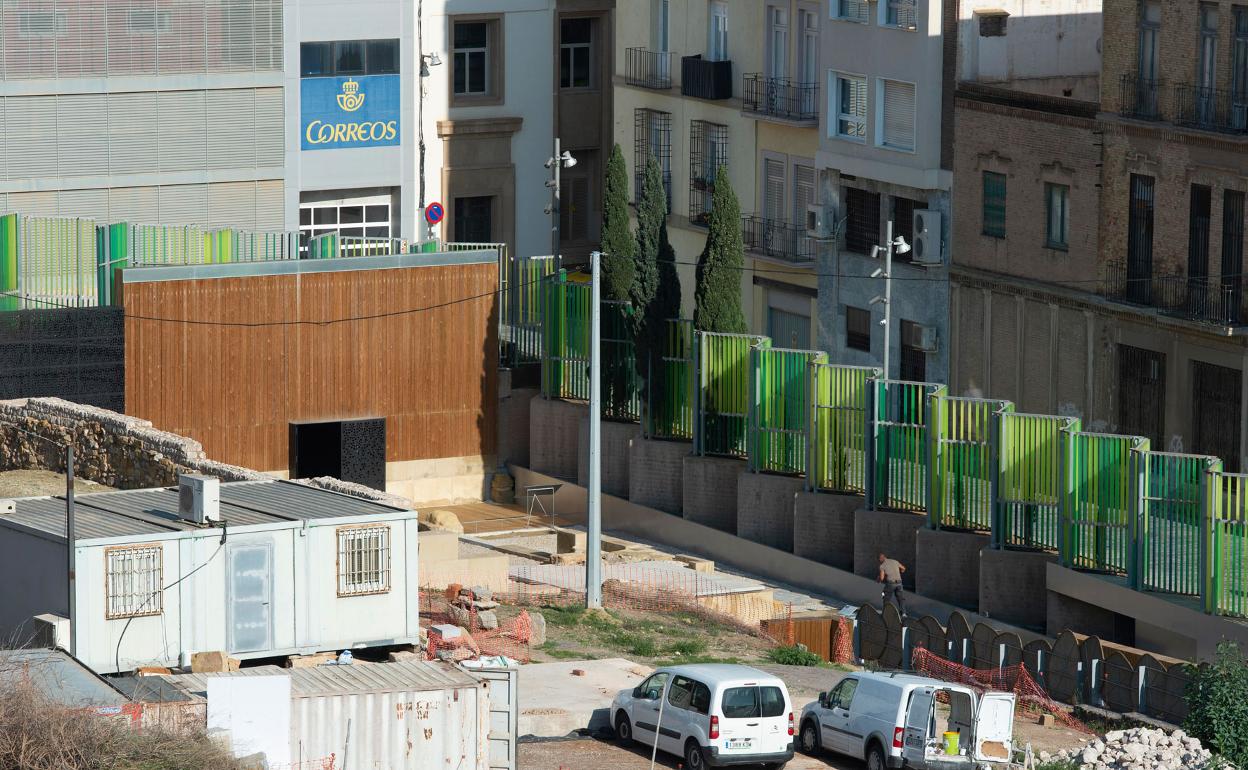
<point>927,237</point>
<point>199,498</point>
<point>820,222</point>
<point>928,341</point>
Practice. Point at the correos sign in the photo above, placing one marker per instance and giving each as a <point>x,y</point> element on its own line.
<point>349,112</point>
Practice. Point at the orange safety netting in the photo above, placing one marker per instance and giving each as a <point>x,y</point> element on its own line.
<point>327,763</point>
<point>1016,679</point>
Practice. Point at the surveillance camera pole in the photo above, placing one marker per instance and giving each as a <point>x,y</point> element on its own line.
<point>888,297</point>
<point>70,536</point>
<point>593,538</point>
<point>554,206</point>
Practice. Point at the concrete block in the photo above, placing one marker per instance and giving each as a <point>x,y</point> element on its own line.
<point>823,528</point>
<point>437,546</point>
<point>710,493</point>
<point>695,563</point>
<point>1012,586</point>
<point>310,661</point>
<point>656,474</point>
<point>554,436</point>
<point>617,440</point>
<point>513,425</point>
<point>216,662</point>
<point>568,540</point>
<point>765,506</point>
<point>946,566</point>
<point>887,531</point>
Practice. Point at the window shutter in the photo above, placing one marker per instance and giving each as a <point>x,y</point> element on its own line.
<point>182,135</point>
<point>854,9</point>
<point>183,204</point>
<point>26,122</point>
<point>132,132</point>
<point>232,204</point>
<point>270,128</point>
<point>899,114</point>
<point>270,205</point>
<point>231,128</point>
<point>133,204</point>
<point>803,192</point>
<point>773,192</point>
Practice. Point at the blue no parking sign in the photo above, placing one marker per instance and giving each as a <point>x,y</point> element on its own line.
<point>434,213</point>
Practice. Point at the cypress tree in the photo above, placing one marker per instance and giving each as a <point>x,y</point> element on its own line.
<point>656,295</point>
<point>717,297</point>
<point>618,246</point>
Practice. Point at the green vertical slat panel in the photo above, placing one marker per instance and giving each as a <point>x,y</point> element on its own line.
<point>1171,521</point>
<point>1227,592</point>
<point>9,286</point>
<point>1030,462</point>
<point>619,361</point>
<point>840,422</point>
<point>1100,486</point>
<point>670,416</point>
<point>781,409</point>
<point>723,392</point>
<point>965,466</point>
<point>901,452</point>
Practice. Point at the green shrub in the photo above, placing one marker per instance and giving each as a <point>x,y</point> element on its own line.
<point>688,647</point>
<point>793,656</point>
<point>1217,703</point>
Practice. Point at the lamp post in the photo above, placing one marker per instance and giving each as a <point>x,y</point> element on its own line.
<point>593,535</point>
<point>900,246</point>
<point>557,162</point>
<point>427,60</point>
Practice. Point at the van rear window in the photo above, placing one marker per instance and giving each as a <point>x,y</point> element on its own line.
<point>752,702</point>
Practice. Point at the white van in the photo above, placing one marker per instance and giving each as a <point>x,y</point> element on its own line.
<point>892,720</point>
<point>713,715</point>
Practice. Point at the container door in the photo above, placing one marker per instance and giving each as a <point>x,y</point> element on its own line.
<point>503,713</point>
<point>994,727</point>
<point>250,592</point>
<point>918,727</point>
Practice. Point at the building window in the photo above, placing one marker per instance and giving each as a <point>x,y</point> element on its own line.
<point>576,37</point>
<point>994,204</point>
<point>1239,71</point>
<point>146,21</point>
<point>900,13</point>
<point>1233,250</point>
<point>717,35</point>
<point>903,223</point>
<point>913,353</point>
<point>474,219</point>
<point>803,197</point>
<point>897,120</point>
<point>788,330</point>
<point>1140,239</point>
<point>862,220</point>
<point>779,41</point>
<point>652,137</point>
<point>348,57</point>
<point>133,581</point>
<point>1150,28</point>
<point>574,207</point>
<point>775,182</point>
<point>992,24</point>
<point>363,560</point>
<point>858,329</point>
<point>42,24</point>
<point>472,52</point>
<point>352,218</point>
<point>808,55</point>
<point>851,10</point>
<point>1207,75</point>
<point>1057,215</point>
<point>708,154</point>
<point>850,98</point>
<point>1198,222</point>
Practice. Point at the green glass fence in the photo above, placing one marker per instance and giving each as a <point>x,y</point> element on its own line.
<point>1099,506</point>
<point>1226,539</point>
<point>670,414</point>
<point>900,453</point>
<point>9,299</point>
<point>325,246</point>
<point>839,459</point>
<point>565,344</point>
<point>1031,452</point>
<point>520,307</point>
<point>780,408</point>
<point>965,467</point>
<point>621,398</point>
<point>1172,507</point>
<point>48,262</point>
<point>722,393</point>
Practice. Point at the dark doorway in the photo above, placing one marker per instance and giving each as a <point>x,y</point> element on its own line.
<point>1216,394</point>
<point>350,450</point>
<point>1142,394</point>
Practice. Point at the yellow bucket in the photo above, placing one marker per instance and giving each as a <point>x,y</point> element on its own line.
<point>951,744</point>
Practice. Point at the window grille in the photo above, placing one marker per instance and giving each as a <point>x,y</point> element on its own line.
<point>994,204</point>
<point>862,225</point>
<point>708,153</point>
<point>858,328</point>
<point>363,560</point>
<point>652,135</point>
<point>901,14</point>
<point>133,581</point>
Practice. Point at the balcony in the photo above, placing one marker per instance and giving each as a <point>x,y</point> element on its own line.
<point>780,98</point>
<point>1210,109</point>
<point>705,79</point>
<point>777,239</point>
<point>1139,98</point>
<point>648,69</point>
<point>1220,300</point>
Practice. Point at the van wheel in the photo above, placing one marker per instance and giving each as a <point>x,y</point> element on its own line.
<point>694,760</point>
<point>623,731</point>
<point>810,737</point>
<point>875,758</point>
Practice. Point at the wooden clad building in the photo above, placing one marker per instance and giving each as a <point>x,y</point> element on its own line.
<point>288,367</point>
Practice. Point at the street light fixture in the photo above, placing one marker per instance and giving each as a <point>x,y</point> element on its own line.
<point>891,246</point>
<point>559,161</point>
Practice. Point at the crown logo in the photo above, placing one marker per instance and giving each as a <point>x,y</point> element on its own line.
<point>350,99</point>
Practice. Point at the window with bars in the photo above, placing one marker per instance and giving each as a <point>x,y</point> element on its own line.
<point>1233,241</point>
<point>850,98</point>
<point>576,38</point>
<point>862,220</point>
<point>1140,239</point>
<point>1239,69</point>
<point>1198,222</point>
<point>363,560</point>
<point>994,204</point>
<point>708,154</point>
<point>858,328</point>
<point>901,14</point>
<point>1057,215</point>
<point>652,136</point>
<point>851,10</point>
<point>574,207</point>
<point>903,223</point>
<point>897,114</point>
<point>132,583</point>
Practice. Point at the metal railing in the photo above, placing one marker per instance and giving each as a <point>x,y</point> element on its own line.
<point>1031,459</point>
<point>648,69</point>
<point>1218,300</point>
<point>899,430</point>
<point>705,79</point>
<point>1211,109</point>
<point>1140,97</point>
<point>722,392</point>
<point>669,414</point>
<point>1098,514</point>
<point>777,239</point>
<point>781,395</point>
<point>780,98</point>
<point>965,466</point>
<point>839,459</point>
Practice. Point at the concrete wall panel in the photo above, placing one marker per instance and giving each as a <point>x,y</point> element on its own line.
<point>656,474</point>
<point>710,493</point>
<point>823,528</point>
<point>887,532</point>
<point>765,508</point>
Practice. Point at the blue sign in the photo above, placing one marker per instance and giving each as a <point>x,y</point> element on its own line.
<point>350,112</point>
<point>434,213</point>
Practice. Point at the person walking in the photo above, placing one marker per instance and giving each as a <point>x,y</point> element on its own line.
<point>890,576</point>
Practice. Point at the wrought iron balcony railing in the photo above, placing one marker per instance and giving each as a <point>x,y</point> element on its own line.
<point>1211,109</point>
<point>780,98</point>
<point>648,69</point>
<point>1219,300</point>
<point>1140,97</point>
<point>777,239</point>
<point>705,79</point>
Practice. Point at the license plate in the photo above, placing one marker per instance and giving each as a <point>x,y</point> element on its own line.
<point>737,743</point>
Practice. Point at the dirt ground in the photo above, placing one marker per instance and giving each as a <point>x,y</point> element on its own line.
<point>41,483</point>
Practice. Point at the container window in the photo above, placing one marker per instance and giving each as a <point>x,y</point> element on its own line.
<point>363,560</point>
<point>133,582</point>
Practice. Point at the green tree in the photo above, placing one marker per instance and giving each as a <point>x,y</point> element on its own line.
<point>717,297</point>
<point>1217,704</point>
<point>656,284</point>
<point>618,246</point>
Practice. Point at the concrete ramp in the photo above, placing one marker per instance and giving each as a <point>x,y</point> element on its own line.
<point>556,702</point>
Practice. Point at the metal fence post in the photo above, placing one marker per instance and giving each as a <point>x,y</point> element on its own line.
<point>997,526</point>
<point>1065,447</point>
<point>812,422</point>
<point>1137,466</point>
<point>868,436</point>
<point>699,350</point>
<point>1210,498</point>
<point>935,475</point>
<point>751,409</point>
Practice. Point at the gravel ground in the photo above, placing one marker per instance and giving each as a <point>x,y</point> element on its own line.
<point>540,542</point>
<point>41,483</point>
<point>587,753</point>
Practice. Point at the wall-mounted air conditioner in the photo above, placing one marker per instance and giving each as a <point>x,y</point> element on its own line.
<point>820,222</point>
<point>927,237</point>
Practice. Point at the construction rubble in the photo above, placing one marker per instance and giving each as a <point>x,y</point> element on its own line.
<point>1140,749</point>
